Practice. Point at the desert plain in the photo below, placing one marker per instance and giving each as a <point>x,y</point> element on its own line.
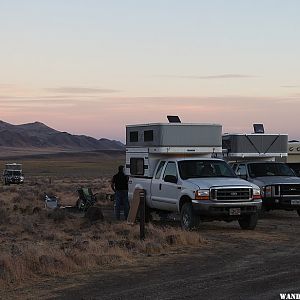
<point>63,255</point>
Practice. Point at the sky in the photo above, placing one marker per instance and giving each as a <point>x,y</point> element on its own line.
<point>93,66</point>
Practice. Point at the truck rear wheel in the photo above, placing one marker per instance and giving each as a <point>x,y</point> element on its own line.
<point>248,222</point>
<point>188,218</point>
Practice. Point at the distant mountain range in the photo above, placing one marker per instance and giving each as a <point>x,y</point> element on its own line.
<point>39,136</point>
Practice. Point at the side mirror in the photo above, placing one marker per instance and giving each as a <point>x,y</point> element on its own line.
<point>170,178</point>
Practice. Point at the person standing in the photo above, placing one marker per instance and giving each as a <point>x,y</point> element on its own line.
<point>119,185</point>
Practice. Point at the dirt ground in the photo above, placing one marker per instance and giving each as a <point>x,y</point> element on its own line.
<point>233,264</point>
<point>229,263</point>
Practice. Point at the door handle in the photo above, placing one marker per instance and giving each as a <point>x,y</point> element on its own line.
<point>160,186</point>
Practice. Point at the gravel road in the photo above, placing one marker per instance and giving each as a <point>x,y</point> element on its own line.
<point>233,264</point>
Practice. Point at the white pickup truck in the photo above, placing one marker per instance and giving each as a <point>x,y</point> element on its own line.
<point>200,189</point>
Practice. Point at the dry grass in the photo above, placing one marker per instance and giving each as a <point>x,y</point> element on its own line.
<point>73,165</point>
<point>34,244</point>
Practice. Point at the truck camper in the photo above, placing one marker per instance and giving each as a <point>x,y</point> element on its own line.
<point>13,173</point>
<point>293,158</point>
<point>254,157</point>
<point>176,165</point>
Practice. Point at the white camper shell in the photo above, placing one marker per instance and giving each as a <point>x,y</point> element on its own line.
<point>146,144</point>
<point>238,147</point>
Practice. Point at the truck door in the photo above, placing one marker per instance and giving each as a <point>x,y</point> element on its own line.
<point>156,185</point>
<point>166,191</point>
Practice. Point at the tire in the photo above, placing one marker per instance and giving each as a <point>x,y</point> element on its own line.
<point>189,220</point>
<point>248,222</point>
<point>298,211</point>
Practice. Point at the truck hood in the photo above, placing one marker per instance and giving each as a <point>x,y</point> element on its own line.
<point>206,183</point>
<point>269,180</point>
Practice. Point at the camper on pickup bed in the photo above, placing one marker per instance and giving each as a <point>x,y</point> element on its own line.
<point>173,164</point>
<point>252,157</point>
<point>13,174</point>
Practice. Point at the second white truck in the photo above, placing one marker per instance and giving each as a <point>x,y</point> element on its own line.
<point>174,163</point>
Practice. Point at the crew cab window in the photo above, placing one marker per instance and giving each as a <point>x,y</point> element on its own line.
<point>159,169</point>
<point>171,169</point>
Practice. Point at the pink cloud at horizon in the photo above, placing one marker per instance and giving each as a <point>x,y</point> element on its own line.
<point>107,117</point>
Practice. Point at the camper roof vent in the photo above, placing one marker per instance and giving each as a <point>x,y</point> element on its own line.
<point>258,128</point>
<point>173,119</point>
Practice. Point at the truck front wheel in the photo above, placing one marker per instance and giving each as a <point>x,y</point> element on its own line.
<point>248,222</point>
<point>188,218</point>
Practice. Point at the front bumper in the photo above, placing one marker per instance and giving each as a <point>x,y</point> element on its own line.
<point>289,203</point>
<point>14,180</point>
<point>214,208</point>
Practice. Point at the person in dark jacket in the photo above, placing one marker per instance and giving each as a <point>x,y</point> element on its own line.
<point>119,184</point>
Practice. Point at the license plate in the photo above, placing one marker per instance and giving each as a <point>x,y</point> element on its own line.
<point>234,211</point>
<point>295,202</point>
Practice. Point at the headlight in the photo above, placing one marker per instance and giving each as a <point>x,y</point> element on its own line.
<point>202,195</point>
<point>256,194</point>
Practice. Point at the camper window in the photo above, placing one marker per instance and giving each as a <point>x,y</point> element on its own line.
<point>136,166</point>
<point>148,135</point>
<point>133,136</point>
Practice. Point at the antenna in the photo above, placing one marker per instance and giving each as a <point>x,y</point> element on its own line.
<point>173,119</point>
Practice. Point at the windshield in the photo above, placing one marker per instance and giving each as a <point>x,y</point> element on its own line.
<point>14,173</point>
<point>204,168</point>
<point>269,169</point>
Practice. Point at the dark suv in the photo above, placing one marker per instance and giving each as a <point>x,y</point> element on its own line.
<point>280,187</point>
